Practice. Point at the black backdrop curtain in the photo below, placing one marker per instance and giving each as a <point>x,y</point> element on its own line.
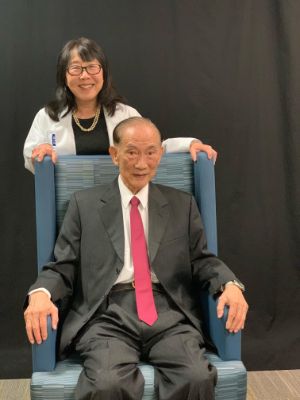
<point>227,72</point>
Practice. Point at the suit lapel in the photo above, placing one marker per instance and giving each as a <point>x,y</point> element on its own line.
<point>110,210</point>
<point>158,218</point>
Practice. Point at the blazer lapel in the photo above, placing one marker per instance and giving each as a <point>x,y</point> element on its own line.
<point>110,210</point>
<point>158,218</point>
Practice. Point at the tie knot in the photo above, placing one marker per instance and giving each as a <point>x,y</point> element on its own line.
<point>134,201</point>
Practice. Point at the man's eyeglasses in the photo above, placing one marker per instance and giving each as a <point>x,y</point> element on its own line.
<point>76,70</point>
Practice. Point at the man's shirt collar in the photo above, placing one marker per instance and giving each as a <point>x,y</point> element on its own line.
<point>126,194</point>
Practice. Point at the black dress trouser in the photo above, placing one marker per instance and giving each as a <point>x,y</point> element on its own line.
<point>115,340</point>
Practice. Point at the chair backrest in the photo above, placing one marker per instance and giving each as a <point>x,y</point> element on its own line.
<point>54,186</point>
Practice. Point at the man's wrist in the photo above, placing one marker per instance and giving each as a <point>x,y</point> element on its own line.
<point>40,290</point>
<point>234,282</point>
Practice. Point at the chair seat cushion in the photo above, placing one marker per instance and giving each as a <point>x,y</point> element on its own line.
<point>60,383</point>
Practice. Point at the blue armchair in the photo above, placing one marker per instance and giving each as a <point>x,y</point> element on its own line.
<point>53,188</point>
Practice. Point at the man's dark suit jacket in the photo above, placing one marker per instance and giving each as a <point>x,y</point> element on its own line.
<point>89,253</point>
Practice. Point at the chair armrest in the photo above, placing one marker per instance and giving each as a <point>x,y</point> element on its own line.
<point>45,211</point>
<point>204,177</point>
<point>44,354</point>
<point>228,344</point>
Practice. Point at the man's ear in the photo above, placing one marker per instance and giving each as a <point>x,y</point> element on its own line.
<point>161,152</point>
<point>114,154</point>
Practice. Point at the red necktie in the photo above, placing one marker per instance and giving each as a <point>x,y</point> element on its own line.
<point>142,278</point>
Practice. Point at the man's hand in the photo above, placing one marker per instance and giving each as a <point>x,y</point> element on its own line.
<point>43,150</point>
<point>40,306</point>
<point>197,146</point>
<point>238,307</point>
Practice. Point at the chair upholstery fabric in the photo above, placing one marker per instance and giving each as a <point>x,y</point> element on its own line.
<point>53,187</point>
<point>60,383</point>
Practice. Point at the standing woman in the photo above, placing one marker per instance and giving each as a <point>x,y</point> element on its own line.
<point>81,118</point>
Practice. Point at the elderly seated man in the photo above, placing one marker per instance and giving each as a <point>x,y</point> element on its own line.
<point>132,257</point>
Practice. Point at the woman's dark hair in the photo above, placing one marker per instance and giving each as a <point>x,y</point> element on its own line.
<point>64,99</point>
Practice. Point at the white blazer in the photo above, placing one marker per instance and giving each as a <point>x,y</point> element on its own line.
<point>43,127</point>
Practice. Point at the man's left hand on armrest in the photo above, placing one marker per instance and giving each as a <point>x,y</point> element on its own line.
<point>233,297</point>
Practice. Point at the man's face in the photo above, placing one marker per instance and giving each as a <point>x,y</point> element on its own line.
<point>138,154</point>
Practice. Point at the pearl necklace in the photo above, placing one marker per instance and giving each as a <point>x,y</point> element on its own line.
<point>92,127</point>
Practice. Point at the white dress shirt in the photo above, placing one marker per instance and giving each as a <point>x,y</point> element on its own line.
<point>127,273</point>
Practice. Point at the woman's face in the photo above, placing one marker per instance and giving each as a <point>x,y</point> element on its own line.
<point>85,87</point>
